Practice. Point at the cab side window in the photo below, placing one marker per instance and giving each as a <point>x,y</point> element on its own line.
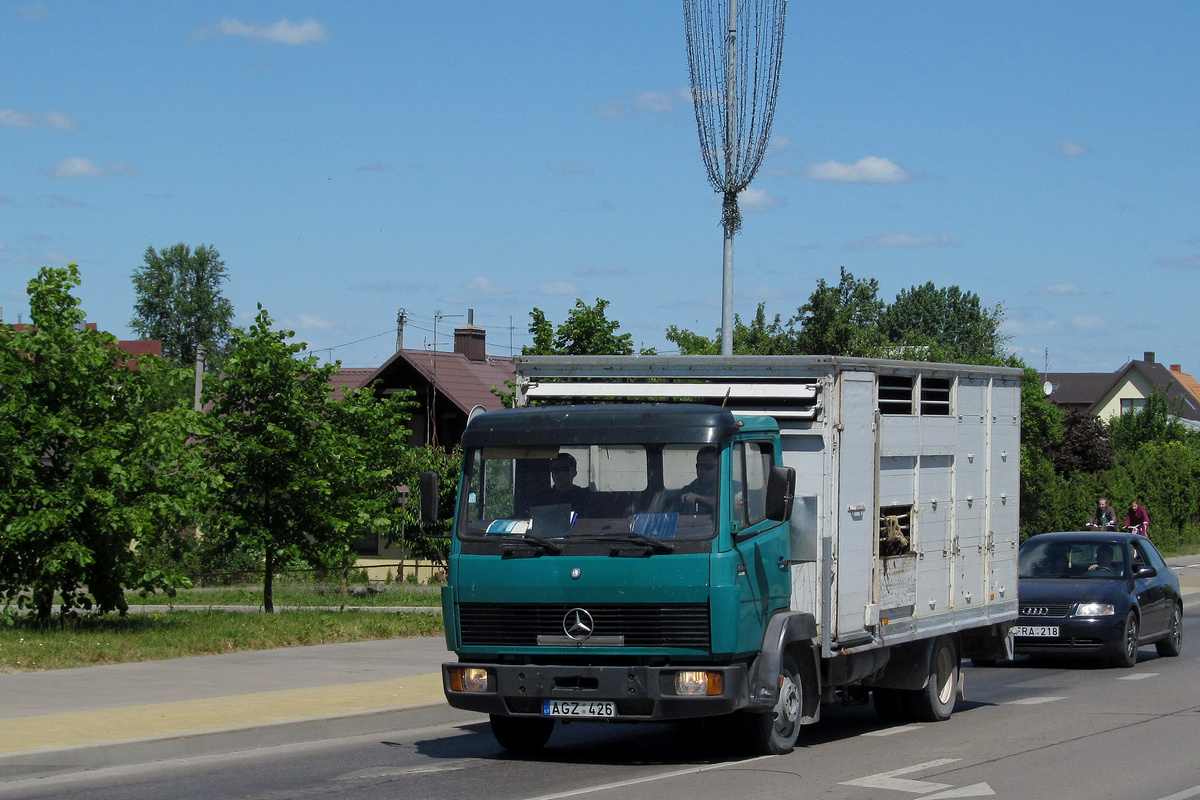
<point>1139,556</point>
<point>751,465</point>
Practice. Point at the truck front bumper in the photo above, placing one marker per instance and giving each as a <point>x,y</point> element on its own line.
<point>638,693</point>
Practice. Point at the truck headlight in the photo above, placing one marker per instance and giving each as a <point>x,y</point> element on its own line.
<point>699,683</point>
<point>1094,610</point>
<point>468,679</point>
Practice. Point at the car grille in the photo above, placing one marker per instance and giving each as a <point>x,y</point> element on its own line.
<point>1043,611</point>
<point>520,624</point>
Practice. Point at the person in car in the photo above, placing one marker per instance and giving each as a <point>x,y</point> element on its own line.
<point>1104,561</point>
<point>562,489</point>
<point>700,496</point>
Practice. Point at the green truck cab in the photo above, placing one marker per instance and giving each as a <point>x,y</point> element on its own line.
<point>616,562</point>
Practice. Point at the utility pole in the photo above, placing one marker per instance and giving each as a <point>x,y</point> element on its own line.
<point>401,318</point>
<point>199,375</point>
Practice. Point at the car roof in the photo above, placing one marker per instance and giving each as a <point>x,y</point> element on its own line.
<point>1068,537</point>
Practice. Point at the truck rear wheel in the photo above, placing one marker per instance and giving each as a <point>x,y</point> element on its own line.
<point>521,734</point>
<point>935,702</point>
<point>775,732</point>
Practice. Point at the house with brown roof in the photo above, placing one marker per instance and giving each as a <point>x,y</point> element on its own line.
<point>447,386</point>
<point>1110,394</point>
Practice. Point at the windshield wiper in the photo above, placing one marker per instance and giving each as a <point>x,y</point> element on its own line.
<point>628,538</point>
<point>524,538</point>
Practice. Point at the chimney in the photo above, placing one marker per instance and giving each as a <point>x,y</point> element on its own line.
<point>1148,356</point>
<point>469,340</point>
<point>1176,368</point>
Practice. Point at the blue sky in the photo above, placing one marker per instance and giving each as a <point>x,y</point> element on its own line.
<point>351,159</point>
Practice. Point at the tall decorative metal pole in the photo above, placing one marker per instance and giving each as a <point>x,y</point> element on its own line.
<point>734,61</point>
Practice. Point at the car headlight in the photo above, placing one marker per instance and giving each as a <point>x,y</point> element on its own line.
<point>1094,610</point>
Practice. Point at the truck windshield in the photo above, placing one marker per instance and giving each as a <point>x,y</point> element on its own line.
<point>587,492</point>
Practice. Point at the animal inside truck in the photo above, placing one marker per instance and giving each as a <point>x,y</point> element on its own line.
<point>696,537</point>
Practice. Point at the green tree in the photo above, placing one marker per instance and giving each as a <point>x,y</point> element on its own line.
<point>1041,430</point>
<point>93,461</point>
<point>587,331</point>
<point>179,302</point>
<point>370,458</point>
<point>1157,421</point>
<point>271,444</point>
<point>841,320</point>
<point>1084,447</point>
<point>758,338</point>
<point>945,324</point>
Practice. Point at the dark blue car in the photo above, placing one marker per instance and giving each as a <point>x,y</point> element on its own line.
<point>1096,594</point>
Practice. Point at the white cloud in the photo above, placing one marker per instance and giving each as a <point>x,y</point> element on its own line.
<point>759,200</point>
<point>1057,288</point>
<point>648,102</point>
<point>902,240</point>
<point>484,286</point>
<point>284,31</point>
<point>32,11</point>
<point>11,118</point>
<point>1072,149</point>
<point>1186,262</point>
<point>1012,327</point>
<point>871,169</point>
<point>78,167</point>
<point>308,323</point>
<point>1090,323</point>
<point>557,288</point>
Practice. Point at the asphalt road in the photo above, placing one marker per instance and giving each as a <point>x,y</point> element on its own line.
<point>1032,729</point>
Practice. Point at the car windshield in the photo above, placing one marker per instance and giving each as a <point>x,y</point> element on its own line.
<point>1081,558</point>
<point>590,491</point>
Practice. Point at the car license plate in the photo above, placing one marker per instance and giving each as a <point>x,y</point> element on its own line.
<point>1035,630</point>
<point>579,708</point>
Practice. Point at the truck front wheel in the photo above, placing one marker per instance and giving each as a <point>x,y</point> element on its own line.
<point>521,734</point>
<point>774,732</point>
<point>935,702</point>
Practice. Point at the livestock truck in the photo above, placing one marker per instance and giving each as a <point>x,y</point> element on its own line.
<point>738,538</point>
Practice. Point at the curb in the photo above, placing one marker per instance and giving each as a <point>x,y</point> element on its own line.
<point>59,761</point>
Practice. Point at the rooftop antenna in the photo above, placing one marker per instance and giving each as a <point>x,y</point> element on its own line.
<point>734,59</point>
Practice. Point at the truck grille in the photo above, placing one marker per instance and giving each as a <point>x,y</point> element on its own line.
<point>520,624</point>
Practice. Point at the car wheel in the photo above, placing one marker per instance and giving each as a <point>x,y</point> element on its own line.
<point>1173,644</point>
<point>935,702</point>
<point>521,734</point>
<point>775,732</point>
<point>1129,643</point>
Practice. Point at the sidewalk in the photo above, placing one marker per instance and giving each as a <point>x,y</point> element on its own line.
<point>69,720</point>
<point>62,721</point>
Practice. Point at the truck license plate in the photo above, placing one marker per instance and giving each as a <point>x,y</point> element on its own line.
<point>579,708</point>
<point>1035,630</point>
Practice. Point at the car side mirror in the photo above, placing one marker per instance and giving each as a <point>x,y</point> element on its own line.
<point>781,491</point>
<point>1145,572</point>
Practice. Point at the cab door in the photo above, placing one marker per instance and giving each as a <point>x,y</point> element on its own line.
<point>760,544</point>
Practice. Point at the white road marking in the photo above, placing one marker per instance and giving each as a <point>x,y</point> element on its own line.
<point>889,780</point>
<point>1141,676</point>
<point>1186,794</point>
<point>890,731</point>
<point>974,790</point>
<point>648,779</point>
<point>1034,701</point>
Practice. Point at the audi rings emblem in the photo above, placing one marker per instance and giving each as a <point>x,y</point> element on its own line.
<point>1035,611</point>
<point>578,624</point>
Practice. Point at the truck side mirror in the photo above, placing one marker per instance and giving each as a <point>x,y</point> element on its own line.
<point>428,510</point>
<point>781,490</point>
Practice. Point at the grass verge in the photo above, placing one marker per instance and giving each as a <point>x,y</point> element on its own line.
<point>297,594</point>
<point>111,639</point>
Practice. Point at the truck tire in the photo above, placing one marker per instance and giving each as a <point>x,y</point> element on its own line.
<point>935,702</point>
<point>521,734</point>
<point>775,732</point>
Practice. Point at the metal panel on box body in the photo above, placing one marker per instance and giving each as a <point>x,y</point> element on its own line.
<point>856,505</point>
<point>935,512</point>
<point>1004,492</point>
<point>970,497</point>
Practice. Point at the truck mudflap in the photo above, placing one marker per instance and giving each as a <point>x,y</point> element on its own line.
<point>795,630</point>
<point>636,692</point>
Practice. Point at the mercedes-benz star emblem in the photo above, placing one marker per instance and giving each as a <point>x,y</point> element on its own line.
<point>578,624</point>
